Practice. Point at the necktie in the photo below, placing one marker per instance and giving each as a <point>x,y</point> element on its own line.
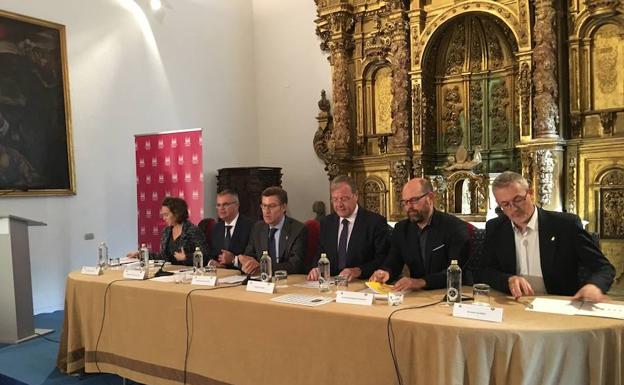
<point>228,237</point>
<point>272,249</point>
<point>342,245</point>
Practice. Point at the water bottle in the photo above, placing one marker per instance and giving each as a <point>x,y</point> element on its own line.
<point>266,267</point>
<point>103,256</point>
<point>453,283</point>
<point>198,261</point>
<point>144,257</point>
<point>324,273</point>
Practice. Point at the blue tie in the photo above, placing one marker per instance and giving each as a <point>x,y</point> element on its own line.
<point>342,245</point>
<point>272,249</point>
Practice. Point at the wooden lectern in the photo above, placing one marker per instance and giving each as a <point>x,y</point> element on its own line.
<point>16,301</point>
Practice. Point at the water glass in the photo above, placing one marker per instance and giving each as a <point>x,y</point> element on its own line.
<point>341,282</point>
<point>280,279</point>
<point>481,294</point>
<point>210,271</point>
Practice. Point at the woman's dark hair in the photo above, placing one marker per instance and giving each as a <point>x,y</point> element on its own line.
<point>178,208</point>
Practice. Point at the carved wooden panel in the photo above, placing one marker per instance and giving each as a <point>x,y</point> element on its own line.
<point>607,63</point>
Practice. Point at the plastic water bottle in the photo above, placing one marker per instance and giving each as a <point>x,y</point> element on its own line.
<point>198,261</point>
<point>266,267</point>
<point>103,256</point>
<point>144,257</point>
<point>453,283</point>
<point>324,273</point>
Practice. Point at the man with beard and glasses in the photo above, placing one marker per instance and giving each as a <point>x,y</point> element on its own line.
<point>426,242</point>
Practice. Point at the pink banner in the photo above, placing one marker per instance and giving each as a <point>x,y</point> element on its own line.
<point>167,164</point>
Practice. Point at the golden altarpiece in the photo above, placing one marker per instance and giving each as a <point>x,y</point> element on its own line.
<point>461,90</point>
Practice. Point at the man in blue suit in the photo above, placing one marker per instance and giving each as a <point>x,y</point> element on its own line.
<point>230,235</point>
<point>354,239</point>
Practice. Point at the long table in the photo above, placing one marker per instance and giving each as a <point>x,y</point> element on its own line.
<point>138,330</point>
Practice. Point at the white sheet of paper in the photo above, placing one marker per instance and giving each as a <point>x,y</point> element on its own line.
<point>233,279</point>
<point>601,309</point>
<point>303,299</point>
<point>567,307</point>
<point>164,278</point>
<point>555,306</point>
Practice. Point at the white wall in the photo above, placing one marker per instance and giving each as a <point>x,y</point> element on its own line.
<point>290,73</point>
<point>189,66</point>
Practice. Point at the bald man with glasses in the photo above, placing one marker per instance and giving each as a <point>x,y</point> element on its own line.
<point>532,251</point>
<point>426,241</point>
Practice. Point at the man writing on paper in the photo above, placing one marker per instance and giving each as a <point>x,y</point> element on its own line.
<point>426,241</point>
<point>283,237</point>
<point>534,251</point>
<point>229,236</point>
<point>354,239</point>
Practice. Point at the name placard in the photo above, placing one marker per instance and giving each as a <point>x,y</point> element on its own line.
<point>134,274</point>
<point>260,287</point>
<point>91,270</point>
<point>355,298</point>
<point>204,280</point>
<point>478,312</point>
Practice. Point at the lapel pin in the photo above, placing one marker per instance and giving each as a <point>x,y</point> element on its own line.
<point>552,239</point>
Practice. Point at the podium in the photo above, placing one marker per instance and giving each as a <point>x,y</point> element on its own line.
<point>16,301</point>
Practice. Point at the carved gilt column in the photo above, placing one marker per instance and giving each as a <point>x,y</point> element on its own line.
<point>400,81</point>
<point>339,43</point>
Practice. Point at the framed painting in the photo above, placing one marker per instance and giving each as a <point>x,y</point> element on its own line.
<point>36,156</point>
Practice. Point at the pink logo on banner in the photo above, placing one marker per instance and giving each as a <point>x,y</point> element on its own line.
<point>176,169</point>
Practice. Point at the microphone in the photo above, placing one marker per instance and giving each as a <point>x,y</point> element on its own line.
<point>161,272</point>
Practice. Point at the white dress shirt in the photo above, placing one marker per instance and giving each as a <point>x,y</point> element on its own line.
<point>528,262</point>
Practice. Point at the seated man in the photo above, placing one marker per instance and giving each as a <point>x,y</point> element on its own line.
<point>426,241</point>
<point>534,251</point>
<point>354,239</point>
<point>229,236</point>
<point>283,237</point>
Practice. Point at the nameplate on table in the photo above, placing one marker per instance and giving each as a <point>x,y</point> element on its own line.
<point>478,312</point>
<point>204,280</point>
<point>354,298</point>
<point>260,287</point>
<point>134,274</point>
<point>91,270</point>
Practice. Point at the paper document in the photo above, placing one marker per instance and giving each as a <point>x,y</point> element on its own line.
<point>164,278</point>
<point>233,279</point>
<point>302,299</point>
<point>567,307</point>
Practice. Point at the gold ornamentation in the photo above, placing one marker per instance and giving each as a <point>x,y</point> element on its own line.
<point>400,86</point>
<point>544,73</point>
<point>383,101</point>
<point>417,105</point>
<point>455,58</point>
<point>546,168</point>
<point>476,113</point>
<point>607,41</point>
<point>606,119</point>
<point>572,184</point>
<point>373,195</point>
<point>498,113</point>
<point>453,132</point>
<point>524,89</point>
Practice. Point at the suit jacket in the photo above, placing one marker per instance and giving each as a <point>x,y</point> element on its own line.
<point>292,245</point>
<point>367,247</point>
<point>239,237</point>
<point>447,239</point>
<point>564,247</point>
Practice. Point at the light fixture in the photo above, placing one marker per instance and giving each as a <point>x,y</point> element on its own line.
<point>156,5</point>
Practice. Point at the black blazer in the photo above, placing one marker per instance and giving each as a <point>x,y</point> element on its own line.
<point>293,243</point>
<point>368,244</point>
<point>238,242</point>
<point>447,239</point>
<point>564,247</point>
<point>190,238</point>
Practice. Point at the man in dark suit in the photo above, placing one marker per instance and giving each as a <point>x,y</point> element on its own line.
<point>534,251</point>
<point>354,239</point>
<point>230,235</point>
<point>426,241</point>
<point>283,237</point>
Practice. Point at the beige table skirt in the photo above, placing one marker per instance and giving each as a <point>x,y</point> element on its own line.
<point>139,331</point>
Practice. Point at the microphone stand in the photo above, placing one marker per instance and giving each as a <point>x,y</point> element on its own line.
<point>161,272</point>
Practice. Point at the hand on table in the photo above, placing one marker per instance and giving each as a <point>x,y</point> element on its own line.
<point>519,286</point>
<point>590,293</point>
<point>351,273</point>
<point>249,265</point>
<point>408,284</point>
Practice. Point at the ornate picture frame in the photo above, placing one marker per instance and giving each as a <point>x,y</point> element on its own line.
<point>36,153</point>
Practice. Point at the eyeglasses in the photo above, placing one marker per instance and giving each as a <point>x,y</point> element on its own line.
<point>516,202</point>
<point>412,201</point>
<point>270,207</point>
<point>225,205</point>
<point>342,199</point>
